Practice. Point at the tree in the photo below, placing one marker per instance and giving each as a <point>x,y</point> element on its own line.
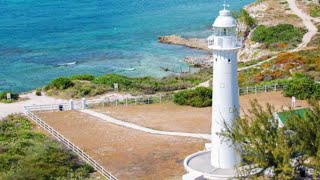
<point>264,145</point>
<point>307,136</point>
<point>261,142</point>
<point>302,87</point>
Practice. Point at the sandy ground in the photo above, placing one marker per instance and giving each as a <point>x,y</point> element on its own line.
<point>171,117</point>
<point>31,99</point>
<point>126,153</point>
<point>26,100</point>
<point>273,12</point>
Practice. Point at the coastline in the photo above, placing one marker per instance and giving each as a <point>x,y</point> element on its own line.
<point>268,13</point>
<point>203,46</point>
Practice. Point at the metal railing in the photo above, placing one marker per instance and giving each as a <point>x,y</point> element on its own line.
<point>149,99</point>
<point>258,89</point>
<point>28,112</point>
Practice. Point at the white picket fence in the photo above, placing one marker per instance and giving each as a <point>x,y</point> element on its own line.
<point>28,112</point>
<point>260,89</point>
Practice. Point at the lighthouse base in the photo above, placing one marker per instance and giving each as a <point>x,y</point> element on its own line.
<point>199,167</point>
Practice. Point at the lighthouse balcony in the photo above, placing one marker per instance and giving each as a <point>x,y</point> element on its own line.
<point>224,43</point>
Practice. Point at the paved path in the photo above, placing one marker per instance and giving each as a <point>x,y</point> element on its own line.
<point>141,128</point>
<point>31,99</point>
<point>307,21</point>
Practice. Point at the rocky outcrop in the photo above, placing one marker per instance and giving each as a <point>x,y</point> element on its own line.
<point>200,61</point>
<point>193,43</point>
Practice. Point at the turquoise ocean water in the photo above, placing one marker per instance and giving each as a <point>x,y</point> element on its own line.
<point>102,36</point>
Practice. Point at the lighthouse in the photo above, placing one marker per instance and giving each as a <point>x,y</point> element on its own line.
<point>219,161</point>
<point>224,44</point>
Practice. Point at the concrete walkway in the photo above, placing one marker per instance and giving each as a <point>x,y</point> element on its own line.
<point>31,99</point>
<point>141,128</point>
<point>307,21</point>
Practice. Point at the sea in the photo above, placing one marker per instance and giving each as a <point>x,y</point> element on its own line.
<point>41,40</point>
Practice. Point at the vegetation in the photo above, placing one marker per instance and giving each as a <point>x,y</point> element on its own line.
<point>76,86</point>
<point>38,92</point>
<point>315,10</point>
<point>282,36</point>
<point>60,83</point>
<point>3,97</point>
<point>244,17</point>
<point>198,97</point>
<point>26,154</point>
<point>83,77</point>
<point>302,87</point>
<point>284,66</point>
<point>267,146</point>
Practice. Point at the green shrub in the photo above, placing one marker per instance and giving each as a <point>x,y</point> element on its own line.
<point>282,33</point>
<point>26,154</point>
<point>61,83</point>
<point>110,79</point>
<point>302,87</point>
<point>38,92</point>
<point>83,77</point>
<point>244,16</point>
<point>315,10</point>
<point>3,96</point>
<point>199,97</point>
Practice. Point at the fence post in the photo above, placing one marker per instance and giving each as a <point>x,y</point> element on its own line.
<point>84,103</point>
<point>255,89</point>
<point>275,87</point>
<point>265,88</point>
<point>136,100</point>
<point>247,90</point>
<point>71,104</point>
<point>148,99</point>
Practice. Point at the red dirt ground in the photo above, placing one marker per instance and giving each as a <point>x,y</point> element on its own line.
<point>126,153</point>
<point>171,117</point>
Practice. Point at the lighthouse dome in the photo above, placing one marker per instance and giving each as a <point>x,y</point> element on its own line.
<point>225,19</point>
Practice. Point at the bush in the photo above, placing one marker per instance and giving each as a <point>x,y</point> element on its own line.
<point>83,77</point>
<point>199,97</point>
<point>282,33</point>
<point>3,96</point>
<point>302,87</point>
<point>38,92</point>
<point>26,154</point>
<point>315,10</point>
<point>244,16</point>
<point>61,83</point>
<point>110,79</point>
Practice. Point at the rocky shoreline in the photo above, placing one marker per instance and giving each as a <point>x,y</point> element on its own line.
<point>265,12</point>
<point>194,43</point>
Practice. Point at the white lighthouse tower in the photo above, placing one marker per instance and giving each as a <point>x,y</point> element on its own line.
<point>225,106</point>
<point>220,161</point>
